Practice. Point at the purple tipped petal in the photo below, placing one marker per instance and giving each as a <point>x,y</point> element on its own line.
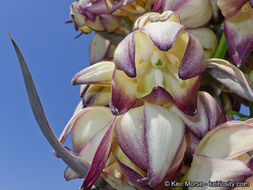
<point>192,143</point>
<point>129,132</point>
<point>239,35</point>
<point>97,96</point>
<point>86,124</point>
<point>186,99</point>
<point>208,117</point>
<point>83,89</point>
<point>97,7</point>
<point>193,61</point>
<point>231,77</point>
<point>80,7</point>
<point>250,163</point>
<point>198,123</point>
<point>100,73</point>
<point>163,35</point>
<point>251,3</point>
<point>163,129</point>
<point>124,56</point>
<point>159,96</point>
<point>132,176</point>
<point>227,141</point>
<point>230,7</point>
<point>123,93</point>
<point>207,169</point>
<point>214,112</point>
<point>100,158</point>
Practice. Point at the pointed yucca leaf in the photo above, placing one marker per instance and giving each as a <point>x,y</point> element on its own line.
<point>40,116</point>
<point>71,160</point>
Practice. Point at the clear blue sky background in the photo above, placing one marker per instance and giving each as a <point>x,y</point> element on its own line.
<point>48,45</point>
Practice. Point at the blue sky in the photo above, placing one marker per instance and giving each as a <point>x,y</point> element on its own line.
<point>54,57</point>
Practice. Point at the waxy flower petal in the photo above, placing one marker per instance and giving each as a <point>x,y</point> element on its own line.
<point>239,34</point>
<point>207,39</point>
<point>162,129</point>
<point>85,124</point>
<point>194,13</point>
<point>100,158</point>
<point>98,48</point>
<point>231,77</point>
<point>123,93</point>
<point>97,95</point>
<point>163,35</point>
<point>227,141</point>
<point>91,140</point>
<point>124,56</point>
<point>100,73</point>
<point>129,132</point>
<point>192,66</point>
<point>230,7</point>
<point>208,116</point>
<point>206,169</point>
<point>223,154</point>
<point>133,176</point>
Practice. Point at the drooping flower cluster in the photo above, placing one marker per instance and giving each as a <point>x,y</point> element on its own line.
<point>160,91</point>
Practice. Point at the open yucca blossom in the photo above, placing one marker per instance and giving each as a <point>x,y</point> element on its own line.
<point>224,155</point>
<point>158,61</point>
<point>137,146</point>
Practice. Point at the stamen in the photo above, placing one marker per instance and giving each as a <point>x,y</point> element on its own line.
<point>173,59</point>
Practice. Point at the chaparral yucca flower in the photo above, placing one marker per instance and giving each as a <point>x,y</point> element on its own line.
<point>144,130</point>
<point>193,13</point>
<point>238,28</point>
<point>143,145</point>
<point>88,15</point>
<point>91,140</point>
<point>106,15</point>
<point>224,155</point>
<point>160,62</point>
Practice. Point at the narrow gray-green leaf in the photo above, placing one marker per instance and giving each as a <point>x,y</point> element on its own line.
<point>114,38</point>
<point>80,166</point>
